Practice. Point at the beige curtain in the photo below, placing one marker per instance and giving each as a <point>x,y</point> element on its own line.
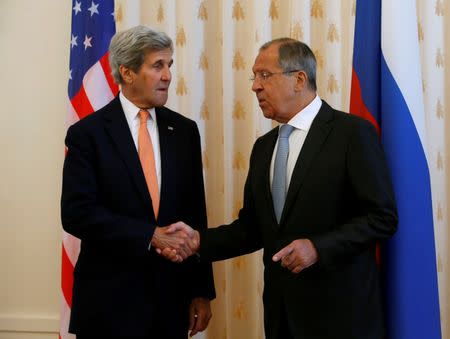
<point>216,42</point>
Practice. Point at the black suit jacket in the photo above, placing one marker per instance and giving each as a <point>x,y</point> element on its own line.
<point>120,287</point>
<point>340,197</point>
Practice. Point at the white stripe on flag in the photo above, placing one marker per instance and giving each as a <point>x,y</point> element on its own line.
<point>72,246</point>
<point>72,116</point>
<point>64,321</point>
<point>96,87</point>
<point>400,47</point>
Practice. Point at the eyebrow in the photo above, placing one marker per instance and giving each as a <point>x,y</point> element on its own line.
<point>161,61</point>
<point>262,71</point>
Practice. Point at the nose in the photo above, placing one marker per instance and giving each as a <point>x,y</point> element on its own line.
<point>256,85</point>
<point>166,75</point>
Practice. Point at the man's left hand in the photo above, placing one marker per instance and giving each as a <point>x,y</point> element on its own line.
<point>199,315</point>
<point>297,256</point>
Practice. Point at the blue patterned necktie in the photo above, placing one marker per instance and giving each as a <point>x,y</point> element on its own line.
<point>279,170</point>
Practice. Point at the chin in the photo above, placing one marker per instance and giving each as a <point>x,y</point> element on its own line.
<point>164,100</point>
<point>160,102</point>
<point>268,115</point>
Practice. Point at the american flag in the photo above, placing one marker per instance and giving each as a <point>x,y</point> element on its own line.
<point>91,87</point>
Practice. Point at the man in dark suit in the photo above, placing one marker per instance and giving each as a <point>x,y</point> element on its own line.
<point>318,224</point>
<point>116,193</point>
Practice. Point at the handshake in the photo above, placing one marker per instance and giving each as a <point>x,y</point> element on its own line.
<point>176,242</point>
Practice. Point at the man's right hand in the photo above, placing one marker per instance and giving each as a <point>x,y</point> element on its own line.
<point>190,246</point>
<point>175,242</point>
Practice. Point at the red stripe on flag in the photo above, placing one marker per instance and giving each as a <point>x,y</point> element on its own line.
<point>66,277</point>
<point>107,70</point>
<point>357,106</point>
<point>81,104</point>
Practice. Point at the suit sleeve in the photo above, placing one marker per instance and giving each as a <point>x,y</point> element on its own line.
<point>82,213</point>
<point>203,280</point>
<point>240,237</point>
<point>375,214</point>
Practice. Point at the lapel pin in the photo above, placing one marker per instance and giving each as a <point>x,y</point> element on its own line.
<point>170,128</point>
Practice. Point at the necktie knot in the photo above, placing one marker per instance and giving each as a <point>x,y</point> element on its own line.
<point>285,131</point>
<point>143,116</point>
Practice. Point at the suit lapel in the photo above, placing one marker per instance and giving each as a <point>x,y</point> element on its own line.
<point>319,130</point>
<point>263,172</point>
<point>117,127</point>
<point>168,151</point>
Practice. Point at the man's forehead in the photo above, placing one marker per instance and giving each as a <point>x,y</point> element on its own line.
<point>159,54</point>
<point>266,58</point>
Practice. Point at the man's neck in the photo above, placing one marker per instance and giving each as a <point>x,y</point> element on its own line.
<point>127,93</point>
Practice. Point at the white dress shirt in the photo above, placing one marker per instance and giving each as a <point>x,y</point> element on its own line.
<point>131,114</point>
<point>301,122</point>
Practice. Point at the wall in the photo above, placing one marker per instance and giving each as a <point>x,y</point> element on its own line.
<point>34,49</point>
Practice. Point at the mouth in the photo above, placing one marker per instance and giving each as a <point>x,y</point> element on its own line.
<point>163,89</point>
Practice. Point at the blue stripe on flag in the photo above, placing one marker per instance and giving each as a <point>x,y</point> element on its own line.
<point>409,261</point>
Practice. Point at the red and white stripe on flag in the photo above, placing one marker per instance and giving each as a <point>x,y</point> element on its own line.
<point>90,87</point>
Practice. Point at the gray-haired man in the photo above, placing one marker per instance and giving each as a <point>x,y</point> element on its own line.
<point>320,277</point>
<point>132,166</point>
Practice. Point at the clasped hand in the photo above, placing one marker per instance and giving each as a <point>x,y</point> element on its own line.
<point>176,242</point>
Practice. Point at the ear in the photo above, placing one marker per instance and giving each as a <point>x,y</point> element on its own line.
<point>127,74</point>
<point>301,81</point>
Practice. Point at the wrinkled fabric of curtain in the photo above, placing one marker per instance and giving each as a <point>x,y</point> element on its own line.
<point>216,43</point>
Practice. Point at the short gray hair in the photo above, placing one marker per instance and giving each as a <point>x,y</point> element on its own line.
<point>128,48</point>
<point>295,55</point>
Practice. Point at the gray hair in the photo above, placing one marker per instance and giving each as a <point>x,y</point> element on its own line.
<point>128,48</point>
<point>295,55</point>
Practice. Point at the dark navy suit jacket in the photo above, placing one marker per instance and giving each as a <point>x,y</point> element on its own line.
<point>120,287</point>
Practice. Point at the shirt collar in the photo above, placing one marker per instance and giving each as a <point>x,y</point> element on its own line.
<point>131,110</point>
<point>303,119</point>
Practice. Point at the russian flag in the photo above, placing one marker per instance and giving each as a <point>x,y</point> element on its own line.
<point>387,90</point>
